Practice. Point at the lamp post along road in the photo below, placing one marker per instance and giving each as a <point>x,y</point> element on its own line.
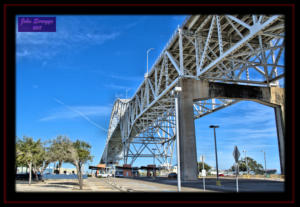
<point>176,91</point>
<point>216,153</point>
<point>246,161</point>
<point>203,172</point>
<point>265,162</point>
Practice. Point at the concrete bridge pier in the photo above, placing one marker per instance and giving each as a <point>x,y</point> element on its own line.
<point>193,90</point>
<point>188,152</point>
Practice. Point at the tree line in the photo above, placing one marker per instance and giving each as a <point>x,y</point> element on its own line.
<point>37,155</point>
<point>251,163</point>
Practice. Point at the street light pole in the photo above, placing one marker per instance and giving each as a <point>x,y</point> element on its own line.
<point>216,153</point>
<point>176,91</point>
<point>265,162</point>
<point>246,160</point>
<point>147,58</point>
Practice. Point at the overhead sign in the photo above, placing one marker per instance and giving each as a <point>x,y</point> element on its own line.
<point>236,153</point>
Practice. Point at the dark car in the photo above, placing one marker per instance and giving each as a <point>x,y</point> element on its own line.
<point>25,176</point>
<point>172,175</point>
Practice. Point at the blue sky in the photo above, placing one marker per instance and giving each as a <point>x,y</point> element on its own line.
<point>91,60</point>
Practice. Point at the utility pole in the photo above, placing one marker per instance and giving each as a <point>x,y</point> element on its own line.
<point>216,153</point>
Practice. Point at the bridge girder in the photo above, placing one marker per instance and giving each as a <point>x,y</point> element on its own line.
<point>238,49</point>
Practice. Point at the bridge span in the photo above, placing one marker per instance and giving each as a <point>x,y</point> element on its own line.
<point>217,60</point>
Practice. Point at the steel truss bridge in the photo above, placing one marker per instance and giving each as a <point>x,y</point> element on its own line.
<point>234,49</point>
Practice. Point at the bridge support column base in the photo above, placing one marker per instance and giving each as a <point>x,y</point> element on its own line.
<point>188,152</point>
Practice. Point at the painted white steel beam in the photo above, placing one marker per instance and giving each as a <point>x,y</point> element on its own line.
<point>222,48</point>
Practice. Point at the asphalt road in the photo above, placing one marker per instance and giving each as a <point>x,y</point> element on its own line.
<point>145,184</point>
<point>228,184</point>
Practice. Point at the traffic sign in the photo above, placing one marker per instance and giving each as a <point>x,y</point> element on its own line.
<point>236,153</point>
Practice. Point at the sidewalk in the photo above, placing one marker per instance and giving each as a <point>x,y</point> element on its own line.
<point>51,186</point>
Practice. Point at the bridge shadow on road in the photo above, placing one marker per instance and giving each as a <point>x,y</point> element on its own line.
<point>228,185</point>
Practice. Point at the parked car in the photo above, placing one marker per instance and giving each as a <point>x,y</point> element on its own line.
<point>172,175</point>
<point>104,175</point>
<point>221,175</point>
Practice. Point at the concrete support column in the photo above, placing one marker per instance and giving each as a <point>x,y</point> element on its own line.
<point>277,97</point>
<point>280,135</point>
<point>188,153</point>
<point>202,90</point>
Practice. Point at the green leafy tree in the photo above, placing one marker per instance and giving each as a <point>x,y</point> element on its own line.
<point>206,166</point>
<point>20,162</point>
<point>38,158</point>
<point>59,150</point>
<point>28,152</point>
<point>79,155</point>
<point>45,158</point>
<point>252,166</point>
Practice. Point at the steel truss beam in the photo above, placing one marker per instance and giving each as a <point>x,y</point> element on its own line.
<point>242,49</point>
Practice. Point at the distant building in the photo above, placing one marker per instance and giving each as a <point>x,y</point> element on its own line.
<point>21,170</point>
<point>68,171</point>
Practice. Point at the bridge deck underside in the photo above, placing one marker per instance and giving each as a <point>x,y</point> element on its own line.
<point>239,49</point>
